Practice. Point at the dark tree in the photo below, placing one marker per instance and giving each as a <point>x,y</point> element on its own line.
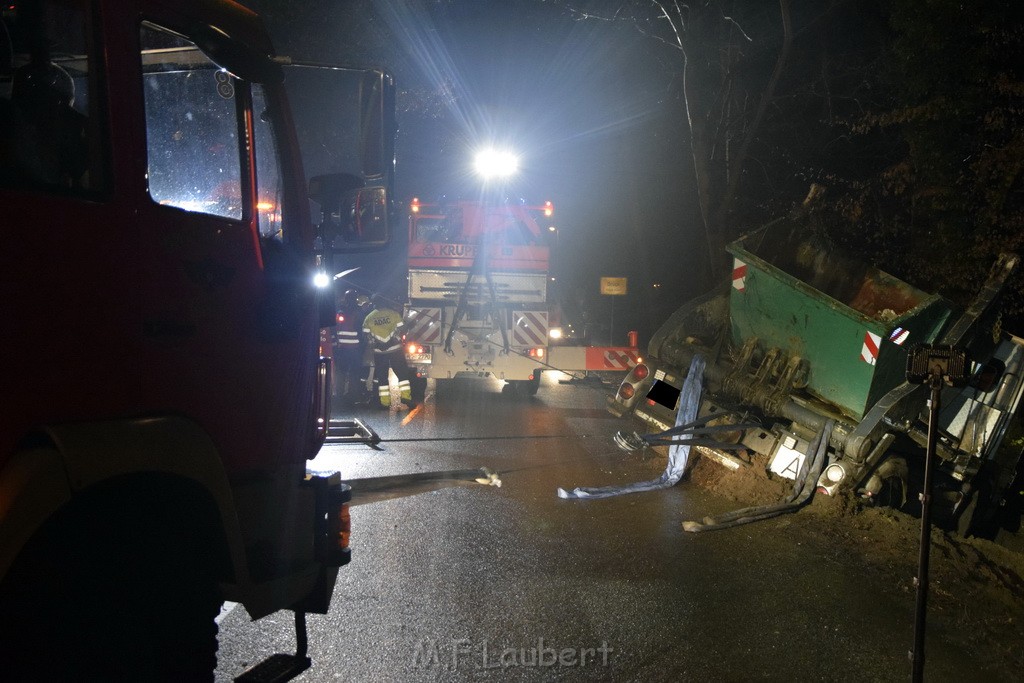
<point>761,87</point>
<point>946,196</point>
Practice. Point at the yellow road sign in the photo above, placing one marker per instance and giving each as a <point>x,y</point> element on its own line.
<point>613,286</point>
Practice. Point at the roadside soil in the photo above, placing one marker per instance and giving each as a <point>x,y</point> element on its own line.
<point>975,584</point>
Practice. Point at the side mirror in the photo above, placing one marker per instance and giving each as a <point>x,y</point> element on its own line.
<point>345,124</point>
<point>987,378</point>
<point>370,217</point>
<point>352,216</point>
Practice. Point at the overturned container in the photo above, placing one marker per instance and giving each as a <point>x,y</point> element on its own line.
<point>851,323</point>
<point>801,335</point>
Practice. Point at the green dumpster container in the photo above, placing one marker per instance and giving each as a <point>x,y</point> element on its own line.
<point>850,321</point>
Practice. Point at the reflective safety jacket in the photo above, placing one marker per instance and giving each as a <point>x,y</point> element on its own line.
<point>383,328</point>
<point>350,322</point>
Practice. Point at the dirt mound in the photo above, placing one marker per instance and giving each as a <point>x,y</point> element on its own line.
<point>747,485</point>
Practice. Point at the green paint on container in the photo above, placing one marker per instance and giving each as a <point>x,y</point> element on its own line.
<point>850,321</point>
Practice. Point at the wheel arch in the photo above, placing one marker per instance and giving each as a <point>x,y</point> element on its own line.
<point>63,470</point>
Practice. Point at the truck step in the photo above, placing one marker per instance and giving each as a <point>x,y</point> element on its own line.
<point>280,667</point>
<point>352,431</point>
<point>276,668</point>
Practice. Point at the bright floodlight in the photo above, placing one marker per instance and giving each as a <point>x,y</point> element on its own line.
<point>321,281</point>
<point>492,163</point>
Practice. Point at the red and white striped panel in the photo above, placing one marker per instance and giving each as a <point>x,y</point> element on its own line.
<point>423,327</point>
<point>530,328</point>
<point>612,358</point>
<point>739,275</point>
<point>899,336</point>
<point>869,350</point>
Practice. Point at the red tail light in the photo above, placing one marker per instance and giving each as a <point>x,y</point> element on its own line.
<point>641,371</point>
<point>626,392</point>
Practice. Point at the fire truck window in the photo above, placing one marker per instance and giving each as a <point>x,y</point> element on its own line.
<point>519,233</point>
<point>268,169</point>
<point>432,230</point>
<point>50,134</point>
<point>192,127</point>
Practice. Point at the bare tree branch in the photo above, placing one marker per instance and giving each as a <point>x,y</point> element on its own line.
<point>666,17</point>
<point>738,28</point>
<point>729,198</point>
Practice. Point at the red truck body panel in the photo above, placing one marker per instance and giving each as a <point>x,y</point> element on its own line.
<point>122,307</point>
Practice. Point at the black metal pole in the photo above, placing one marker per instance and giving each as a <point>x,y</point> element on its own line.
<point>917,656</point>
<point>301,639</point>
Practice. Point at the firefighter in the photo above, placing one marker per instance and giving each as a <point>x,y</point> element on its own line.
<point>383,328</point>
<point>348,348</point>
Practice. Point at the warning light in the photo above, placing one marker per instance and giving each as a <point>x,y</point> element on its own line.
<point>415,206</point>
<point>340,317</point>
<point>536,353</point>
<point>414,348</point>
<point>343,524</point>
<point>549,209</point>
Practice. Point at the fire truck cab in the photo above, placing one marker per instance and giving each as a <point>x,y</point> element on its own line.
<point>162,386</point>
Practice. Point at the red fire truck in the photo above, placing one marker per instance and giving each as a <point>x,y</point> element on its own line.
<point>479,303</point>
<point>162,386</point>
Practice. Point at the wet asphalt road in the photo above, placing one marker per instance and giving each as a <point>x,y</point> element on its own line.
<point>453,580</point>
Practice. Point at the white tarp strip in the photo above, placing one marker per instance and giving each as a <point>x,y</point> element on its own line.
<point>678,454</point>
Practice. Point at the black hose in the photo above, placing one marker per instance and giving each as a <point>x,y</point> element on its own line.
<point>487,438</point>
<point>803,487</point>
